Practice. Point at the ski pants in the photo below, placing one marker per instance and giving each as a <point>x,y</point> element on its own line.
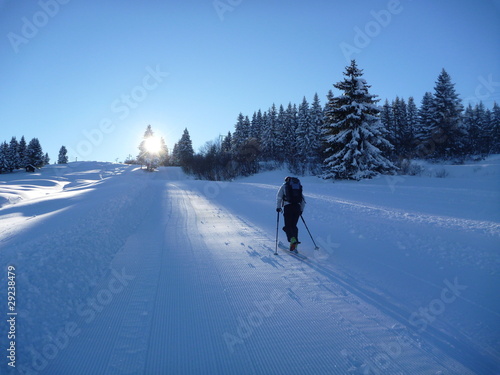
<point>291,213</point>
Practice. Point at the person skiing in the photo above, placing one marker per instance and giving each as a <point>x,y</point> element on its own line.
<point>291,201</point>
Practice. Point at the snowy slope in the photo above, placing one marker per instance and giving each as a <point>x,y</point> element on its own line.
<point>119,271</point>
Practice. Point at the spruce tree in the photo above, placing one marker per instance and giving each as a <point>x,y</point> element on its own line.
<point>303,136</point>
<point>175,159</point>
<point>34,153</point>
<point>355,137</point>
<point>241,132</point>
<point>495,129</point>
<point>164,156</point>
<point>413,126</point>
<point>149,150</point>
<point>423,136</point>
<point>4,150</point>
<point>13,160</point>
<point>446,126</point>
<point>185,150</point>
<point>22,152</point>
<point>317,116</point>
<point>63,156</point>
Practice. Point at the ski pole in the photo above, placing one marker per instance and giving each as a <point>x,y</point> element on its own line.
<point>277,225</point>
<point>316,246</point>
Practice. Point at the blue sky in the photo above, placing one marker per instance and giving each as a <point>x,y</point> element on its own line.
<point>91,75</point>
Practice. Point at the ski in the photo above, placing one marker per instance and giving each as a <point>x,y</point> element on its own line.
<point>294,253</point>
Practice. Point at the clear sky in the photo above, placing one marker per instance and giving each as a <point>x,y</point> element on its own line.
<point>91,75</point>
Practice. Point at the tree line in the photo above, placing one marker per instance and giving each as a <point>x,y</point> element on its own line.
<point>350,137</point>
<point>19,154</point>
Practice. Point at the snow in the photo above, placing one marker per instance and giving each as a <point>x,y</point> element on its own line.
<point>120,271</point>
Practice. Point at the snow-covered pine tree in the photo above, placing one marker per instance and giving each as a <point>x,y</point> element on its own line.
<point>175,159</point>
<point>304,142</point>
<point>163,153</point>
<point>317,116</point>
<point>267,137</point>
<point>483,122</point>
<point>495,129</point>
<point>13,159</point>
<point>423,135</point>
<point>34,153</point>
<point>389,123</point>
<point>256,125</point>
<point>4,150</point>
<point>412,121</point>
<point>226,143</point>
<point>46,159</point>
<point>355,137</point>
<point>280,135</point>
<point>149,150</point>
<point>446,124</point>
<point>63,156</point>
<point>404,133</point>
<point>22,152</point>
<point>289,132</point>
<point>186,152</point>
<point>241,131</point>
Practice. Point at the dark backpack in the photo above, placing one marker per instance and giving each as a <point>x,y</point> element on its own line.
<point>293,191</point>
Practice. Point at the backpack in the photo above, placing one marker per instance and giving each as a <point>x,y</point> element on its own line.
<point>293,191</point>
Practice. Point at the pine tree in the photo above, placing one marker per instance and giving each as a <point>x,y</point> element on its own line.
<point>355,136</point>
<point>446,126</point>
<point>22,152</point>
<point>175,159</point>
<point>269,134</point>
<point>317,116</point>
<point>164,157</point>
<point>13,159</point>
<point>290,141</point>
<point>256,125</point>
<point>495,129</point>
<point>241,132</point>
<point>34,153</point>
<point>482,118</point>
<point>4,150</point>
<point>63,156</point>
<point>412,121</point>
<point>226,143</point>
<point>423,136</point>
<point>149,150</point>
<point>186,151</point>
<point>280,136</point>
<point>304,142</point>
<point>46,159</point>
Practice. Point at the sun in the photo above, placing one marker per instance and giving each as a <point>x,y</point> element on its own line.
<point>152,145</point>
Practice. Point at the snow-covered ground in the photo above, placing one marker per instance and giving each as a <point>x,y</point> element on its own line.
<point>119,271</point>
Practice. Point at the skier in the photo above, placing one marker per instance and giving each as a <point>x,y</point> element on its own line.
<point>291,201</point>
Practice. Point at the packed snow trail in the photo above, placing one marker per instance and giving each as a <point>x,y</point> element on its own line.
<point>158,278</point>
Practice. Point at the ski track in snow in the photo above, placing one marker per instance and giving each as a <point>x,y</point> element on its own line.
<point>489,227</point>
<point>165,279</point>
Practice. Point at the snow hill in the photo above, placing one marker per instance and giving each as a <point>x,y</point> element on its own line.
<point>119,271</point>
